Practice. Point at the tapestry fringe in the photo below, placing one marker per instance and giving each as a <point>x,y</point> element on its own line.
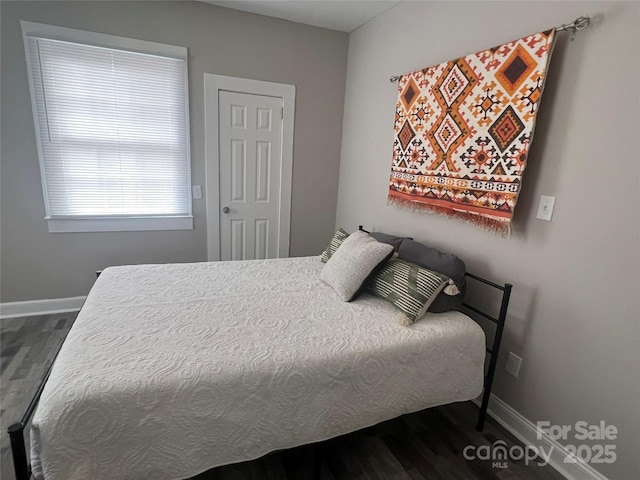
<point>489,224</point>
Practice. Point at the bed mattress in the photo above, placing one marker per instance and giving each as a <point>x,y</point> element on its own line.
<point>170,370</point>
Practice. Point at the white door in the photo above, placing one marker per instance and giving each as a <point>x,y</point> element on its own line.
<point>250,161</point>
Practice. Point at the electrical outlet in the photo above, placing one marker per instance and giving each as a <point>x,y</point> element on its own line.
<point>545,207</point>
<point>513,364</point>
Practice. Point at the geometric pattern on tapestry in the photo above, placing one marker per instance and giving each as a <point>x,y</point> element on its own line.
<point>463,130</point>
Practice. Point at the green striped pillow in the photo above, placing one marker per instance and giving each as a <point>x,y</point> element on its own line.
<point>407,286</point>
<point>338,237</point>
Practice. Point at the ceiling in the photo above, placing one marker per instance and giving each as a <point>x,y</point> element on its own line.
<point>341,15</point>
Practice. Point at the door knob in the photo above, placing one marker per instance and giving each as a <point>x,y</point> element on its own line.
<point>226,210</point>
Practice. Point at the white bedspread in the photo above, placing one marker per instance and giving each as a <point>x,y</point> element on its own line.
<point>171,370</point>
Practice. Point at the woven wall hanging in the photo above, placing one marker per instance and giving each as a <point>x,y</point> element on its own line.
<point>463,130</point>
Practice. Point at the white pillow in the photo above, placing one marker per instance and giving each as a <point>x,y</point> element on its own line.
<point>352,263</point>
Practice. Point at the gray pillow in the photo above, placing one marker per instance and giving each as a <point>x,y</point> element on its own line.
<point>445,263</point>
<point>390,239</point>
<point>351,264</point>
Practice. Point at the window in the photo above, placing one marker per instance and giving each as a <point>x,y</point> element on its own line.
<point>111,118</point>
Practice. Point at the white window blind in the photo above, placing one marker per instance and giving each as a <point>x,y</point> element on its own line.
<point>113,131</point>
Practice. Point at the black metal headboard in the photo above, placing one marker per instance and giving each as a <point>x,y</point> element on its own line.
<point>494,350</point>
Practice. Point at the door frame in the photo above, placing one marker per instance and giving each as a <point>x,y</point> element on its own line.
<point>212,86</point>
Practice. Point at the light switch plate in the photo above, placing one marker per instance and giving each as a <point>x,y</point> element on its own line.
<point>545,207</point>
<point>197,192</point>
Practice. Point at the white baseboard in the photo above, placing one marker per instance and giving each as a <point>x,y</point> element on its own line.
<point>526,431</point>
<point>40,307</point>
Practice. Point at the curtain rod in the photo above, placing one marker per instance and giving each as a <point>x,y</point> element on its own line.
<point>579,23</point>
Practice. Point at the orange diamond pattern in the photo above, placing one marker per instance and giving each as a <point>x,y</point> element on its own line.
<point>409,95</point>
<point>516,69</point>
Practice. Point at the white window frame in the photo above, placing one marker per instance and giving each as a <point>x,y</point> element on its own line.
<point>119,222</point>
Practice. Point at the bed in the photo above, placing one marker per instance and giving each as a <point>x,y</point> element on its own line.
<point>171,370</point>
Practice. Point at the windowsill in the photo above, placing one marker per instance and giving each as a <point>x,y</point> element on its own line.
<point>119,224</point>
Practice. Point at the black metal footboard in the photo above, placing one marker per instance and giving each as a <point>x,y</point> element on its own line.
<point>21,465</point>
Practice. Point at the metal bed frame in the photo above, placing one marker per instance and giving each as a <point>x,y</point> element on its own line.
<point>22,467</point>
<point>497,340</point>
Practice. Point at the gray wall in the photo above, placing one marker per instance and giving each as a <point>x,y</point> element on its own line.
<point>36,264</point>
<point>574,317</point>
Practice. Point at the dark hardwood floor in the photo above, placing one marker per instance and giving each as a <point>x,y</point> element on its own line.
<point>427,445</point>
